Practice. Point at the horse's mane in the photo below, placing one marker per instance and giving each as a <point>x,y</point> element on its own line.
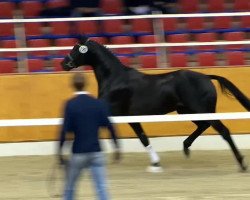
<point>104,51</point>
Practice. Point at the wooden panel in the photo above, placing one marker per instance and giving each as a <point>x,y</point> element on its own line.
<point>43,96</point>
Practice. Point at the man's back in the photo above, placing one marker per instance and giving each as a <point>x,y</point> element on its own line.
<point>84,116</point>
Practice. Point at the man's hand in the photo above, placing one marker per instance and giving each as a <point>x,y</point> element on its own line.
<point>61,160</point>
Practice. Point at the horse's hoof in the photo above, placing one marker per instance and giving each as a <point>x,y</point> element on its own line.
<point>243,166</point>
<point>154,168</point>
<point>186,152</point>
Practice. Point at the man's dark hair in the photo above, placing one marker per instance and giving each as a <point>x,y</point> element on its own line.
<point>78,81</point>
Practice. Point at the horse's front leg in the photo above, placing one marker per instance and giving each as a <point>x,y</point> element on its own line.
<point>155,159</point>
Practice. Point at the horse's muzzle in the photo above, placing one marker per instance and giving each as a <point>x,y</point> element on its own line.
<point>65,66</point>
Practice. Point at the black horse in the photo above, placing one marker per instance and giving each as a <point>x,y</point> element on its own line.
<point>130,92</point>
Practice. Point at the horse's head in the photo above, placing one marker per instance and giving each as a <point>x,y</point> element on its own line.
<point>78,55</point>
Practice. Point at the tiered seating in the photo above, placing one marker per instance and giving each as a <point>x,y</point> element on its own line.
<point>31,9</point>
<point>189,6</point>
<point>88,28</point>
<point>112,7</point>
<point>141,31</point>
<point>36,65</point>
<point>141,27</point>
<point>101,40</point>
<point>206,37</point>
<point>206,59</point>
<point>65,42</point>
<point>178,60</point>
<point>56,3</point>
<point>216,5</point>
<point>148,39</point>
<point>148,61</point>
<point>6,30</point>
<point>125,60</point>
<point>39,43</point>
<point>241,5</point>
<point>235,58</point>
<point>113,27</point>
<point>33,29</point>
<point>234,36</point>
<point>7,9</point>
<point>56,63</point>
<point>195,24</point>
<point>60,28</point>
<point>178,38</point>
<point>123,40</point>
<point>9,44</point>
<point>7,66</point>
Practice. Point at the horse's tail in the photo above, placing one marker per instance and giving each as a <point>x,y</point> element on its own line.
<point>228,87</point>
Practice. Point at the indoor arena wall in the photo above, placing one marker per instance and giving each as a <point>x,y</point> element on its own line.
<point>42,95</point>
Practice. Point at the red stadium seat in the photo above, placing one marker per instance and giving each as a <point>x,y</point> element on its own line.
<point>206,37</point>
<point>222,22</point>
<point>245,22</point>
<point>123,40</point>
<point>150,39</point>
<point>206,59</point>
<point>125,60</point>
<point>141,26</point>
<point>170,24</point>
<point>189,6</point>
<point>57,3</point>
<point>178,38</point>
<point>148,61</point>
<point>7,9</point>
<point>9,44</point>
<point>56,63</point>
<point>35,65</point>
<point>216,5</point>
<point>178,60</point>
<point>112,7</point>
<point>195,23</point>
<point>241,5</point>
<point>100,40</point>
<point>60,28</point>
<point>235,58</point>
<point>113,26</point>
<point>7,66</point>
<point>31,8</point>
<point>65,42</point>
<point>39,43</point>
<point>234,36</point>
<point>87,27</point>
<point>6,29</point>
<point>33,29</point>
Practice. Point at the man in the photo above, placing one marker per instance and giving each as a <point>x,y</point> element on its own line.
<point>83,116</point>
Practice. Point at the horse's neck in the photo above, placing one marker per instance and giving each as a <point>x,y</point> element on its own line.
<point>106,67</point>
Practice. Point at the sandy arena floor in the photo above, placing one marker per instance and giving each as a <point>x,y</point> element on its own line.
<point>212,175</point>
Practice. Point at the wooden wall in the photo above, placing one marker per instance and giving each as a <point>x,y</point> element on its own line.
<point>43,95</point>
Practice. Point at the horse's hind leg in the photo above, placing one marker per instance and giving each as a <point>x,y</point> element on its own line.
<point>155,160</point>
<point>224,132</point>
<point>201,127</point>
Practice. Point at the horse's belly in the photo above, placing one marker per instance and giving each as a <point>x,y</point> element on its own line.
<point>153,107</point>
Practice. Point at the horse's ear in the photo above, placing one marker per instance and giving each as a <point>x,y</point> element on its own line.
<point>83,39</point>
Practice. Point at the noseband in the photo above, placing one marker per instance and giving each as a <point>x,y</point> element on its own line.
<point>71,63</point>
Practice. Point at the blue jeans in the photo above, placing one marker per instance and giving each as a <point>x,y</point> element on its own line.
<point>79,162</point>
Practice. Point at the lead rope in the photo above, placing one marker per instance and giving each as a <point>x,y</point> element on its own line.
<point>54,178</point>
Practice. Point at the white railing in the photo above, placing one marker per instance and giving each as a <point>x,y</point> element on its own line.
<point>134,119</point>
<point>29,49</point>
<point>154,16</point>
